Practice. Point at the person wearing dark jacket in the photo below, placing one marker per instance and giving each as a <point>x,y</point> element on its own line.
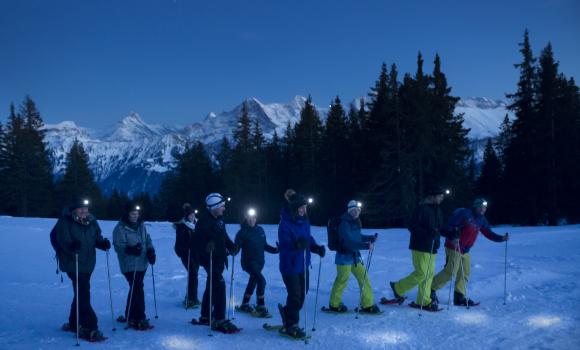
<point>212,240</point>
<point>348,260</point>
<point>252,241</point>
<point>426,227</point>
<point>465,224</point>
<point>78,234</point>
<point>135,252</point>
<point>185,250</point>
<point>296,243</point>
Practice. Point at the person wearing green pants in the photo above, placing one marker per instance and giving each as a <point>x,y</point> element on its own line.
<point>348,260</point>
<point>465,224</point>
<point>426,228</point>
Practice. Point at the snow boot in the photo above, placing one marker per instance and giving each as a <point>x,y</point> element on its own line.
<point>371,310</point>
<point>245,308</point>
<point>94,335</point>
<point>191,304</point>
<point>460,300</point>
<point>225,326</point>
<point>431,307</point>
<point>434,296</point>
<point>293,332</point>
<point>261,311</point>
<point>339,309</point>
<point>140,325</point>
<point>67,327</point>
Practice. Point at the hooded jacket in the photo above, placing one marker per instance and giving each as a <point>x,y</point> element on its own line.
<point>352,241</point>
<point>211,229</point>
<point>290,230</point>
<point>252,241</point>
<point>124,235</point>
<point>88,233</point>
<point>469,224</point>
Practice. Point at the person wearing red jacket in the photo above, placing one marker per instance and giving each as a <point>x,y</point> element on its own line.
<point>464,227</point>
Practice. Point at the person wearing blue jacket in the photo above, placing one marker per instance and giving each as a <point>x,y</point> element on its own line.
<point>296,243</point>
<point>465,223</point>
<point>348,260</point>
<point>251,239</point>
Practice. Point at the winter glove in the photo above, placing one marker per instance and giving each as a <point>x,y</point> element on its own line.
<point>151,257</point>
<point>235,250</point>
<point>319,250</point>
<point>75,246</point>
<point>373,238</point>
<point>105,244</point>
<point>301,244</point>
<point>506,237</point>
<point>210,246</point>
<point>133,250</point>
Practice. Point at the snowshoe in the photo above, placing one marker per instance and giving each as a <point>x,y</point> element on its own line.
<point>202,321</point>
<point>140,325</point>
<point>225,326</point>
<point>340,309</point>
<point>293,332</point>
<point>93,336</point>
<point>121,319</point>
<point>431,307</point>
<point>245,308</point>
<point>261,311</point>
<point>272,327</point>
<point>191,304</point>
<point>282,313</point>
<point>395,301</point>
<point>371,310</point>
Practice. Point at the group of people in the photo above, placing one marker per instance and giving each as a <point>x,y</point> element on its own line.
<point>205,243</point>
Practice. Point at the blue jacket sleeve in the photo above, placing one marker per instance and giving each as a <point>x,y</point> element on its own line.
<point>350,240</point>
<point>286,237</point>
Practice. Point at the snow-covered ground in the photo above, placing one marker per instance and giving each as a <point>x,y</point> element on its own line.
<point>542,311</point>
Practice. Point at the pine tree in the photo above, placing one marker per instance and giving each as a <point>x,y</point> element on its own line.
<point>115,206</point>
<point>503,140</point>
<point>28,182</point>
<point>488,182</point>
<point>78,181</point>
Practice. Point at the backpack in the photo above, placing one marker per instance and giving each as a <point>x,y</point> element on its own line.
<point>56,245</point>
<point>334,241</point>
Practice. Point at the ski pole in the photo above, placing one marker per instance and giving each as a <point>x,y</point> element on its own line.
<point>505,275</point>
<point>132,287</point>
<point>210,290</point>
<point>465,281</point>
<point>231,303</point>
<point>77,294</point>
<point>305,290</point>
<point>110,292</point>
<point>154,292</point>
<point>187,284</point>
<point>367,268</point>
<point>426,277</point>
<point>316,300</point>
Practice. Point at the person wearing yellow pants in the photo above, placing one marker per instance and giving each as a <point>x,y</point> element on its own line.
<point>465,225</point>
<point>348,260</point>
<point>426,228</point>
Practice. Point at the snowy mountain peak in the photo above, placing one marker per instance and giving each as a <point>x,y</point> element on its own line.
<point>481,103</point>
<point>131,128</point>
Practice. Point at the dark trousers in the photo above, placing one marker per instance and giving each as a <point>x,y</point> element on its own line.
<point>192,281</point>
<point>218,298</point>
<point>295,299</point>
<point>256,279</point>
<point>138,299</point>
<point>87,316</point>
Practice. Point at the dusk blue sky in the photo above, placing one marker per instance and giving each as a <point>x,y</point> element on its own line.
<point>173,61</point>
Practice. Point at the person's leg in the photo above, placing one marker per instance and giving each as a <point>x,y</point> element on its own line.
<point>219,296</point>
<point>461,280</point>
<point>138,303</point>
<point>340,282</point>
<point>412,280</point>
<point>205,307</point>
<point>250,287</point>
<point>72,318</point>
<point>261,291</point>
<point>193,280</point>
<point>426,265</point>
<point>358,271</point>
<point>292,307</point>
<point>87,316</point>
<point>450,269</point>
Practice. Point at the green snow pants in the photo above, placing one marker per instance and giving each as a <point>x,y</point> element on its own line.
<point>422,276</point>
<point>342,274</point>
<point>453,268</point>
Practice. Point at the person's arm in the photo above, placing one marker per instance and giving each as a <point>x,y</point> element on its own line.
<point>268,248</point>
<point>419,224</point>
<point>63,236</point>
<point>181,240</point>
<point>148,241</point>
<point>119,240</point>
<point>488,232</point>
<point>286,237</point>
